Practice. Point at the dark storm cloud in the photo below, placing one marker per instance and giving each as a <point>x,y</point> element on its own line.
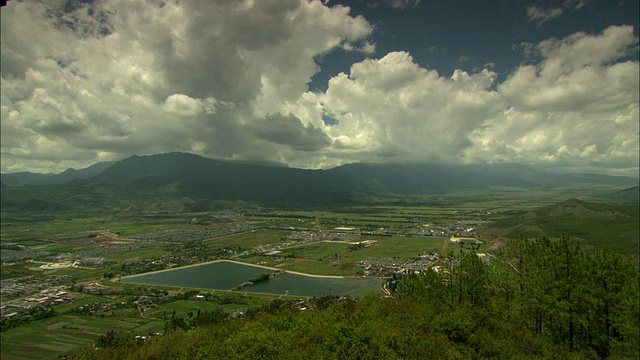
<point>289,131</point>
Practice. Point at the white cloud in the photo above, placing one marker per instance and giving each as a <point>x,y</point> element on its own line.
<point>365,48</point>
<point>230,80</point>
<point>180,104</point>
<point>393,110</point>
<point>190,76</point>
<point>577,107</point>
<point>541,16</point>
<point>575,74</point>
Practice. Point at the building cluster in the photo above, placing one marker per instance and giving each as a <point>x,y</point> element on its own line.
<point>43,299</point>
<point>95,307</point>
<point>418,231</point>
<point>338,234</point>
<point>29,292</point>
<point>7,257</point>
<point>191,235</point>
<point>387,267</point>
<point>27,285</point>
<point>150,301</point>
<point>74,260</point>
<point>114,248</point>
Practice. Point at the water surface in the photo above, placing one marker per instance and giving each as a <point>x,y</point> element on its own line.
<point>225,275</point>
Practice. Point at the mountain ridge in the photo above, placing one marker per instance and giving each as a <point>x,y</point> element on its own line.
<point>171,176</point>
<point>29,178</point>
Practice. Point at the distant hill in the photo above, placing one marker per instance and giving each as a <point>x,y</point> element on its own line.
<point>23,178</point>
<point>28,178</point>
<point>598,225</point>
<point>203,183</point>
<point>630,195</point>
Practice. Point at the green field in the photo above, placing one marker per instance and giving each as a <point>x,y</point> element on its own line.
<point>46,339</point>
<point>249,239</point>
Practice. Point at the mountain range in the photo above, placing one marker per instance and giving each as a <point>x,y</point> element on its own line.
<point>176,176</point>
<point>29,178</point>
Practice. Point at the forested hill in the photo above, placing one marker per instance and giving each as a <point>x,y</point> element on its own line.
<point>535,300</point>
<point>205,182</point>
<point>597,225</point>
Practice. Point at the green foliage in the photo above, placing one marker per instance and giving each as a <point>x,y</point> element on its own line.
<point>34,314</point>
<point>260,278</point>
<point>538,299</point>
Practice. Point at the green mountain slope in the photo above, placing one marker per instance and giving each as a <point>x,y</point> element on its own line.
<point>599,225</point>
<point>166,178</point>
<point>630,195</point>
<point>27,178</point>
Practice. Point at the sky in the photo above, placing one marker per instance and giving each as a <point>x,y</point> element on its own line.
<point>318,84</point>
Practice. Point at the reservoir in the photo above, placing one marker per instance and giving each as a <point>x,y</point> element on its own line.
<point>226,275</point>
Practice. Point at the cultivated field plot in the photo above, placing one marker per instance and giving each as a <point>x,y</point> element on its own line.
<point>46,339</point>
<point>49,338</point>
<point>16,229</point>
<point>249,239</point>
<point>154,251</point>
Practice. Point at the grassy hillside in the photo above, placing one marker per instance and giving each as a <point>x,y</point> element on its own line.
<point>599,225</point>
<point>629,196</point>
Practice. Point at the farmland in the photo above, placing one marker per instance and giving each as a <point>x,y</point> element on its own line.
<point>352,241</point>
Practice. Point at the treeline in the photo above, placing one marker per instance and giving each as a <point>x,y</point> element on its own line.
<point>34,314</point>
<point>535,299</point>
<point>581,300</point>
<point>260,278</point>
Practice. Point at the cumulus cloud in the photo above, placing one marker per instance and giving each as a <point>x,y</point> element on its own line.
<point>576,107</point>
<point>114,78</point>
<point>230,80</point>
<point>391,109</point>
<point>183,105</point>
<point>577,73</point>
